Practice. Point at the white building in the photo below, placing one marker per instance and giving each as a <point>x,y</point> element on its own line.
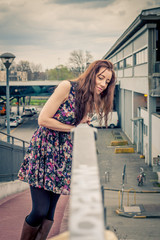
<point>136,56</point>
<point>14,76</point>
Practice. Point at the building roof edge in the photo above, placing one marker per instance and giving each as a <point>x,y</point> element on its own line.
<point>141,19</point>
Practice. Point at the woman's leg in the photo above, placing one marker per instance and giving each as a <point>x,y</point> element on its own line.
<point>53,202</point>
<point>48,220</point>
<point>40,206</point>
<point>41,217</point>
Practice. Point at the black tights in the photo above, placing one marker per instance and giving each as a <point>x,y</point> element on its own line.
<point>43,206</point>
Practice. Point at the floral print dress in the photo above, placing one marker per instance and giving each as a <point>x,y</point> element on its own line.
<point>48,160</point>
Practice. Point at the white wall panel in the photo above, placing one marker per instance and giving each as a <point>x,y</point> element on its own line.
<point>139,84</point>
<point>119,55</point>
<point>120,73</point>
<point>128,72</point>
<point>127,50</point>
<point>141,70</point>
<point>141,41</point>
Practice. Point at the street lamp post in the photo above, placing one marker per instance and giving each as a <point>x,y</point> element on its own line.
<point>7,59</point>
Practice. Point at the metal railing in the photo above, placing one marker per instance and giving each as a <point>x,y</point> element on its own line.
<point>11,157</point>
<point>13,140</point>
<point>86,220</point>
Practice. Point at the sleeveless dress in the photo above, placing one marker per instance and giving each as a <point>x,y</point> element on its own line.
<point>48,160</point>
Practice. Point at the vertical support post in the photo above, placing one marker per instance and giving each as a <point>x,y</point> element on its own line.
<point>123,178</point>
<point>104,207</point>
<point>151,109</point>
<point>23,104</point>
<point>123,109</point>
<point>23,148</point>
<point>151,103</point>
<point>7,104</point>
<point>18,105</point>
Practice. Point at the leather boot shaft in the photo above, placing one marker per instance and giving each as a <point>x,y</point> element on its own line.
<point>44,230</point>
<point>28,232</point>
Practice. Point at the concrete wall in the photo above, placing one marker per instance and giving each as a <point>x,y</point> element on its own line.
<point>139,101</point>
<point>128,113</point>
<point>12,187</point>
<point>144,115</point>
<point>155,135</point>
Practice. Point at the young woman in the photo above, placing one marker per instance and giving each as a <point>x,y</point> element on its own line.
<point>48,161</point>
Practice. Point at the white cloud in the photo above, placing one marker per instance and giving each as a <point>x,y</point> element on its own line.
<point>46,31</point>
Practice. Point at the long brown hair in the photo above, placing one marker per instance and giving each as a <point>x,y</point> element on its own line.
<point>86,100</point>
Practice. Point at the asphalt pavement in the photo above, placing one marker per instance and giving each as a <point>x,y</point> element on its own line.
<point>13,209</point>
<point>132,211</point>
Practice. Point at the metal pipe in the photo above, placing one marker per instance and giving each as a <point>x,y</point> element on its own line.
<point>7,104</point>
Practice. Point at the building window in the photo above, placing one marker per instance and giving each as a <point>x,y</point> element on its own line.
<point>128,62</point>
<point>120,65</point>
<point>115,66</point>
<point>141,57</point>
<point>145,129</point>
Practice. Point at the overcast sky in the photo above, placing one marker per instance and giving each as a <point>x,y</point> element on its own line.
<point>46,31</point>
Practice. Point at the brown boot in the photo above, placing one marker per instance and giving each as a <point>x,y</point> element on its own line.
<point>28,232</point>
<point>44,229</point>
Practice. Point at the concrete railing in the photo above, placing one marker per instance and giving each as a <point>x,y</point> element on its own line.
<point>86,219</point>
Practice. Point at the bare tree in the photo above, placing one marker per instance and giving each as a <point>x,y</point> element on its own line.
<point>35,67</point>
<point>24,66</point>
<point>79,61</point>
<point>2,67</point>
<point>89,58</point>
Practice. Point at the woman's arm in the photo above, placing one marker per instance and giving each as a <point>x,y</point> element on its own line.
<point>50,108</point>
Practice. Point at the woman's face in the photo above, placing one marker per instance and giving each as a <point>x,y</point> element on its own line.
<point>103,78</point>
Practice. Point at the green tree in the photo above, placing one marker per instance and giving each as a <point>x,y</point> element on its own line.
<point>60,72</point>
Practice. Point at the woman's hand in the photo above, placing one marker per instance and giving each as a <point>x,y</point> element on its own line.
<point>86,119</point>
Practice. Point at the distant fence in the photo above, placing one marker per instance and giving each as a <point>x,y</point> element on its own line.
<point>11,157</point>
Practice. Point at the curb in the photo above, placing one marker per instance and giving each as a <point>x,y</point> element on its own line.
<point>124,150</point>
<point>66,236</point>
<point>119,143</point>
<point>135,215</point>
<point>9,188</point>
<point>131,191</point>
<point>128,215</point>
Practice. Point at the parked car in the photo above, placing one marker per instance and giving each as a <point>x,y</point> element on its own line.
<point>34,110</point>
<point>28,112</point>
<point>19,119</point>
<point>112,120</point>
<point>13,122</point>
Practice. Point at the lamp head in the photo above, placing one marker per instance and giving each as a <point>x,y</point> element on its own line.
<point>7,59</point>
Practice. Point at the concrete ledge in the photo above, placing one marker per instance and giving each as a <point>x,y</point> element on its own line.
<point>12,187</point>
<point>124,150</point>
<point>119,143</point>
<point>65,236</point>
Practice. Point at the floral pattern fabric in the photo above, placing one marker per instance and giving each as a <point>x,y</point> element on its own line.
<point>48,160</point>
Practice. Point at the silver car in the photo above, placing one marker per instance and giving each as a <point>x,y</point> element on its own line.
<point>13,122</point>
